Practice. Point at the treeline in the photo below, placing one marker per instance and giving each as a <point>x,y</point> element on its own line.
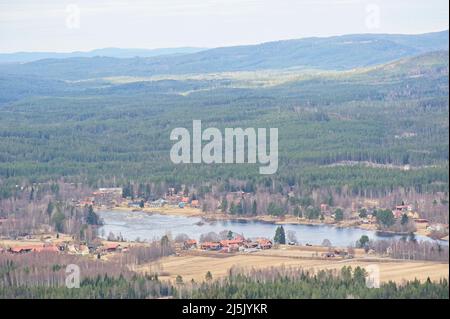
<point>410,248</point>
<point>99,287</point>
<point>112,281</point>
<point>292,283</point>
<point>48,207</point>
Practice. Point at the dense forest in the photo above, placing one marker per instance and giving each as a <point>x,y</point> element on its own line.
<point>369,131</point>
<point>43,277</point>
<point>289,283</point>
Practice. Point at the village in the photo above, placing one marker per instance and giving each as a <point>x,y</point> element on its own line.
<point>181,203</point>
<point>191,257</point>
<point>205,255</point>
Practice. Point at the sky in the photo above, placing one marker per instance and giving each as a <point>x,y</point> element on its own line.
<point>82,25</point>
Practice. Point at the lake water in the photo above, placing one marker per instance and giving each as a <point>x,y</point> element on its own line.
<point>133,225</point>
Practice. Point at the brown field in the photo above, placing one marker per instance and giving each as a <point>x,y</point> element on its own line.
<point>35,240</point>
<point>195,264</point>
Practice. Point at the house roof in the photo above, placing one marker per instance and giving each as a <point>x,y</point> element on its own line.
<point>210,244</point>
<point>111,246</point>
<point>35,248</point>
<point>52,249</point>
<point>231,242</point>
<point>264,241</point>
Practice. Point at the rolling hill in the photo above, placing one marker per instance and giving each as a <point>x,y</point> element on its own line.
<point>332,53</point>
<point>24,57</point>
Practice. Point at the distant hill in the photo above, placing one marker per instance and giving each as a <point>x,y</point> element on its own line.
<point>431,65</point>
<point>331,53</point>
<point>23,57</point>
<point>436,62</point>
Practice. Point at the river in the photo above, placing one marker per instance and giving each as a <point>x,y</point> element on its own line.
<point>143,226</point>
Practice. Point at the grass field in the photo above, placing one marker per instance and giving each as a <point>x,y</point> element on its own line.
<point>194,265</point>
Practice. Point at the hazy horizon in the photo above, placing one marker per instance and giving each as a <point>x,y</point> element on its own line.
<point>207,48</point>
<point>69,26</point>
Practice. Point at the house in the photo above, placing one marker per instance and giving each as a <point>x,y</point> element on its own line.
<point>78,249</point>
<point>413,215</point>
<point>195,203</point>
<point>324,208</point>
<point>232,242</point>
<point>111,247</point>
<point>158,203</point>
<point>210,246</point>
<point>34,248</point>
<point>230,249</point>
<point>400,210</point>
<point>135,204</point>
<point>107,196</point>
<point>437,228</point>
<point>21,249</point>
<point>251,244</point>
<point>264,243</point>
<point>190,243</point>
<point>47,249</point>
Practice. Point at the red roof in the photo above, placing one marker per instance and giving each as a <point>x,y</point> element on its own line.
<point>111,246</point>
<point>264,242</point>
<point>231,242</point>
<point>34,248</point>
<point>191,242</point>
<point>52,249</point>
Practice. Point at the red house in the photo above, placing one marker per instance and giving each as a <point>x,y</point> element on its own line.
<point>189,243</point>
<point>111,247</point>
<point>264,243</point>
<point>232,242</point>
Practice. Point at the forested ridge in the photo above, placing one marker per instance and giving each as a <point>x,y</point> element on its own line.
<point>327,53</point>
